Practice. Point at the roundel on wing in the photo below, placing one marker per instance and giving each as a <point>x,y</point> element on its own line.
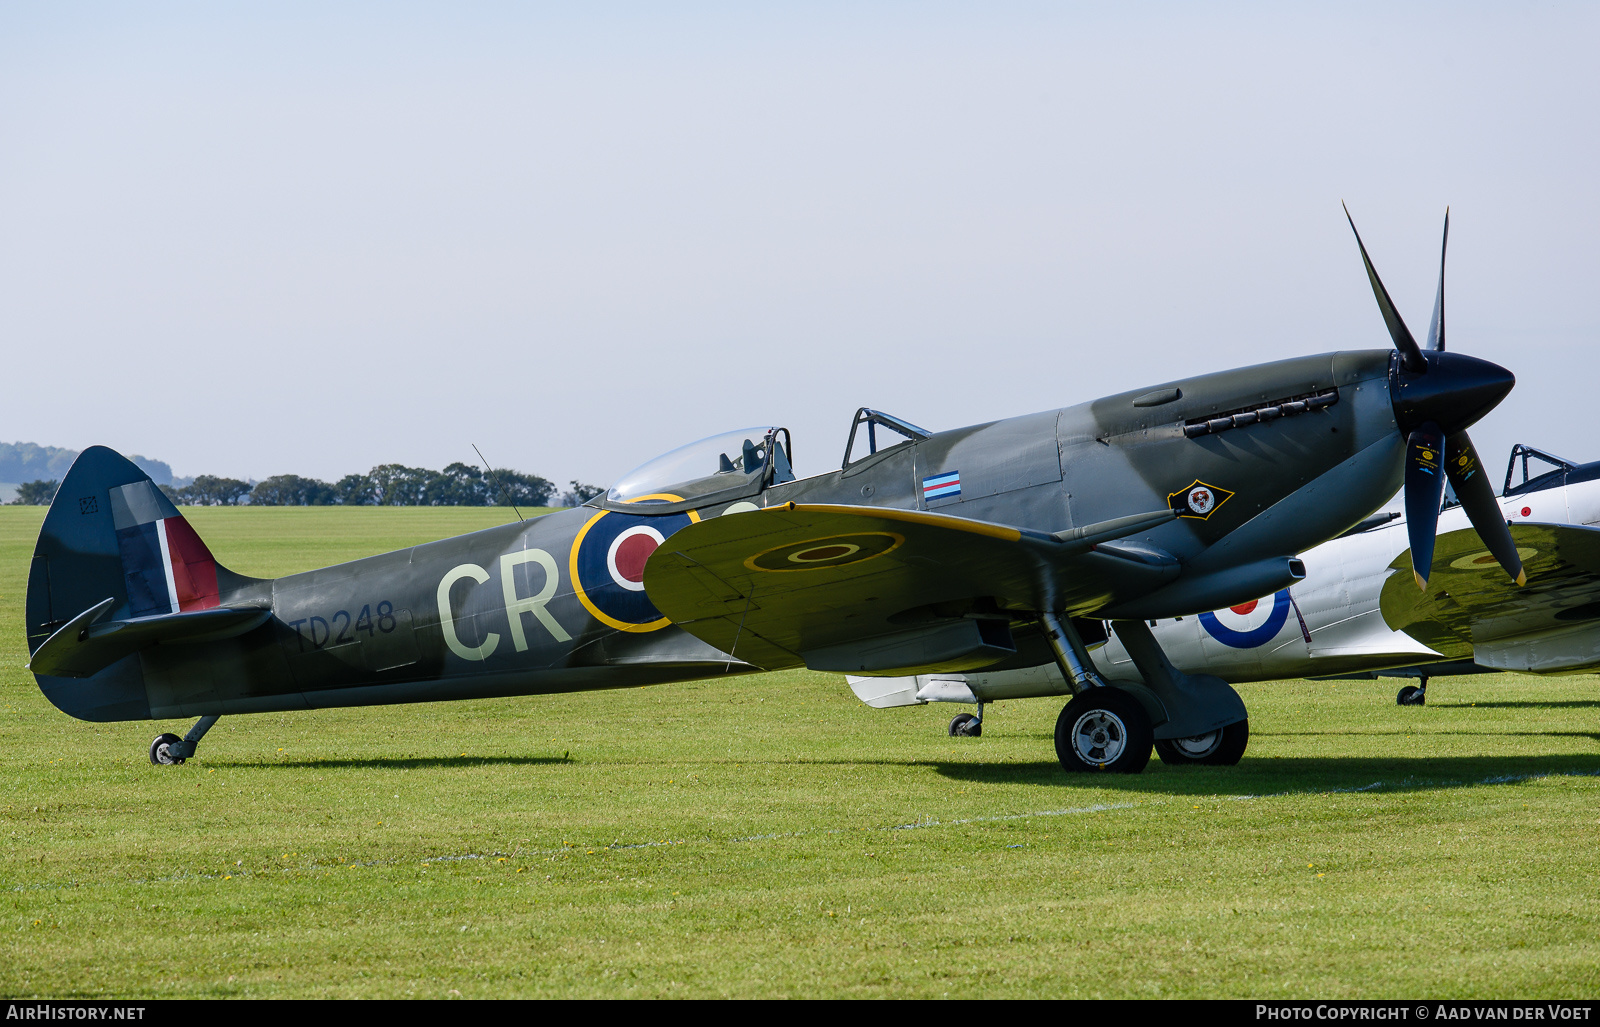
<point>830,551</point>
<point>1249,624</point>
<point>607,566</point>
<point>1486,561</point>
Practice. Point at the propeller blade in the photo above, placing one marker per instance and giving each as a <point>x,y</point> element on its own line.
<point>1436,329</point>
<point>1424,492</point>
<point>1477,499</point>
<point>1410,355</point>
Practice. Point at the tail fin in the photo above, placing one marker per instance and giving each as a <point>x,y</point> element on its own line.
<point>111,534</point>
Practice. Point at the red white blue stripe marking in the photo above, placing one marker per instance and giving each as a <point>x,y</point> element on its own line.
<point>942,486</point>
<point>167,568</point>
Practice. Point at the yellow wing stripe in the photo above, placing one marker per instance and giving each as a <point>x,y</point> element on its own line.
<point>911,517</point>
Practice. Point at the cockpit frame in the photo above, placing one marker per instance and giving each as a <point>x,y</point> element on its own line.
<point>1557,475</point>
<point>873,419</point>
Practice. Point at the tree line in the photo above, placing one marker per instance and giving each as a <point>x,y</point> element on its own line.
<point>31,462</point>
<point>385,485</point>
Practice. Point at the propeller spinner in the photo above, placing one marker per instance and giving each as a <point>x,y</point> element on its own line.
<point>1436,397</point>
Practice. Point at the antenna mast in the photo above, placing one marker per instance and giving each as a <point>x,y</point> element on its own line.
<point>503,493</point>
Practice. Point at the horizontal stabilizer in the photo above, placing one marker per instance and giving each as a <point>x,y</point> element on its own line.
<point>82,647</point>
<point>884,693</point>
<point>917,690</point>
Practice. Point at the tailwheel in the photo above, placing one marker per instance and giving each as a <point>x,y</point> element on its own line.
<point>161,753</point>
<point>965,725</point>
<point>1411,695</point>
<point>1106,730</point>
<point>1220,748</point>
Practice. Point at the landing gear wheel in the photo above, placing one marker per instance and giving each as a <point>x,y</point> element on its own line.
<point>965,725</point>
<point>1411,695</point>
<point>1106,730</point>
<point>161,753</point>
<point>1220,748</point>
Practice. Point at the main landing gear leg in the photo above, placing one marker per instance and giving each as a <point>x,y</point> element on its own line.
<point>1071,655</point>
<point>170,750</point>
<point>1414,695</point>
<point>1103,728</point>
<point>967,725</point>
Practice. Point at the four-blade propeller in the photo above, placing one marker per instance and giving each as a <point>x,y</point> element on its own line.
<point>1436,397</point>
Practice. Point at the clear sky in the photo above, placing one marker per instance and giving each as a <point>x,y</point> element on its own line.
<point>309,238</point>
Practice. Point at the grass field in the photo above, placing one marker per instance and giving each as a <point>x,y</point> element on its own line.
<point>771,836</point>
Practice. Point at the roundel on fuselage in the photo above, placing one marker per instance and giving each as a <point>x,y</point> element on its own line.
<point>607,565</point>
<point>1249,624</point>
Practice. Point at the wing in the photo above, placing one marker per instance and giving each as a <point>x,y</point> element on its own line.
<point>874,590</point>
<point>1550,624</point>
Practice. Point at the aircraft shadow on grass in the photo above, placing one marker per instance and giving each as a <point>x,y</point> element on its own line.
<point>1552,704</point>
<point>1294,775</point>
<point>1591,735</point>
<point>401,763</point>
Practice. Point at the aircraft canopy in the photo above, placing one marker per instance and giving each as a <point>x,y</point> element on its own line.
<point>710,465</point>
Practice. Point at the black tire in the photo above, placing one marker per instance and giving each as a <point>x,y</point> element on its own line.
<point>1223,747</point>
<point>160,754</point>
<point>1104,730</point>
<point>965,725</point>
<point>1411,695</point>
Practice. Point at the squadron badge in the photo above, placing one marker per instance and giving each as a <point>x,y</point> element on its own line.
<point>1198,500</point>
